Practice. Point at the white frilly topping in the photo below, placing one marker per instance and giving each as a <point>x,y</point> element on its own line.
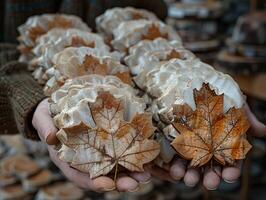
<point>44,22</point>
<point>146,54</point>
<point>131,32</point>
<point>111,19</point>
<point>57,39</point>
<point>173,83</point>
<point>70,104</point>
<point>69,63</point>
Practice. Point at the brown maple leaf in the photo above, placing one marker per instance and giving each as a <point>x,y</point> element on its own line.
<point>79,42</point>
<point>59,22</point>
<point>173,54</point>
<point>113,142</point>
<point>153,33</point>
<point>125,77</point>
<point>92,65</point>
<point>207,133</point>
<point>36,32</point>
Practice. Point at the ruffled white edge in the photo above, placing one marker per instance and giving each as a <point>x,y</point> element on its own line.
<point>111,18</point>
<point>67,62</point>
<point>131,32</point>
<point>43,21</point>
<point>173,83</point>
<point>69,104</point>
<point>146,54</point>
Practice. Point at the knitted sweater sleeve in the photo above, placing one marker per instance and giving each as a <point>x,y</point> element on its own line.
<point>19,95</point>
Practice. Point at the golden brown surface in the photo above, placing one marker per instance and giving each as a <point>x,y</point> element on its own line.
<point>207,133</point>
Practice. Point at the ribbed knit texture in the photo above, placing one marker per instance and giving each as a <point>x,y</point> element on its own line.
<point>19,95</point>
<point>8,52</point>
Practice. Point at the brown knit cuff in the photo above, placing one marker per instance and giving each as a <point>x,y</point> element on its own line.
<point>8,52</point>
<point>7,121</point>
<point>24,94</point>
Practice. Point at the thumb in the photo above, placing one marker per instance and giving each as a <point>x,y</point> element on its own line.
<point>43,123</point>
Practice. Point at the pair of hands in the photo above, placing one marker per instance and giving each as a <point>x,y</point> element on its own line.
<point>177,170</point>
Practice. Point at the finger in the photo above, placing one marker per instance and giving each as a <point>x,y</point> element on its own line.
<point>178,169</point>
<point>43,123</point>
<point>126,184</point>
<point>141,177</point>
<point>231,174</point>
<point>100,184</point>
<point>160,173</point>
<point>191,177</point>
<point>258,128</point>
<point>211,179</point>
<point>71,174</point>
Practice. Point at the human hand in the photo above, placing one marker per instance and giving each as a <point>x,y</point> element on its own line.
<point>211,176</point>
<point>44,125</point>
<point>257,128</point>
<point>178,170</point>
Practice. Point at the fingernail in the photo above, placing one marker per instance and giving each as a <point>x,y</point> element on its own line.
<point>177,178</point>
<point>227,181</point>
<point>191,185</point>
<point>145,182</point>
<point>134,190</point>
<point>211,188</point>
<point>51,139</point>
<point>108,189</point>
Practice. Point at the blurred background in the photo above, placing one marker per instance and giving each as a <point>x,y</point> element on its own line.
<point>228,34</point>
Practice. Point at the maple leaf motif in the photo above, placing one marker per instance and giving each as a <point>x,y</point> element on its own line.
<point>113,141</point>
<point>92,65</point>
<point>59,22</point>
<point>153,33</point>
<point>207,133</point>
<point>79,42</point>
<point>36,32</point>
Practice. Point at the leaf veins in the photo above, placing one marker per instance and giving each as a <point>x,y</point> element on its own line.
<point>114,142</point>
<point>207,133</point>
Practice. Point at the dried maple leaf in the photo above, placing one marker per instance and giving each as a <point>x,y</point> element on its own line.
<point>113,141</point>
<point>91,65</point>
<point>35,32</point>
<point>153,33</point>
<point>207,133</point>
<point>79,42</point>
<point>60,22</point>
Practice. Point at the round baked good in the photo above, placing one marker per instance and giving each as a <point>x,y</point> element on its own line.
<point>251,29</point>
<point>73,62</point>
<point>38,25</point>
<point>238,64</point>
<point>55,41</point>
<point>173,83</point>
<point>68,103</point>
<point>103,126</point>
<point>110,20</point>
<point>60,190</point>
<point>199,9</point>
<point>246,50</point>
<point>192,30</point>
<point>148,53</point>
<point>131,32</point>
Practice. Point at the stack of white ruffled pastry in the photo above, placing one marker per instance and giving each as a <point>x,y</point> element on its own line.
<point>107,87</point>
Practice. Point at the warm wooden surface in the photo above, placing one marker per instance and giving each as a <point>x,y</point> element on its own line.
<point>254,86</point>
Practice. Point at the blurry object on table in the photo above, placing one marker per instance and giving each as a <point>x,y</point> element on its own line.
<point>197,23</point>
<point>244,57</point>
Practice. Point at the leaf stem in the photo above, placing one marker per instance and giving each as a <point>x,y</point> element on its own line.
<point>116,169</point>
